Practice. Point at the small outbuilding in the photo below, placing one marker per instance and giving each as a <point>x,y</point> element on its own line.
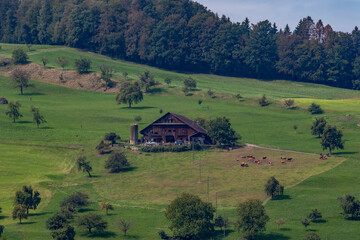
<point>172,128</point>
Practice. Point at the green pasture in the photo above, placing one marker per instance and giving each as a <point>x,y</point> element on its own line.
<point>77,120</point>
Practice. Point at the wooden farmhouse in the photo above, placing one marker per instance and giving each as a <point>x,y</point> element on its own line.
<point>172,128</point>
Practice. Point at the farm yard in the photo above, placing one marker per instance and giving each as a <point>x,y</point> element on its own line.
<point>78,119</point>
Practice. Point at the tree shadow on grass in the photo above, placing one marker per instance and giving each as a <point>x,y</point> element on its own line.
<point>3,217</point>
<point>281,197</point>
<point>39,214</point>
<point>272,236</point>
<point>311,230</point>
<point>137,108</point>
<point>156,90</point>
<point>21,122</point>
<point>344,153</point>
<point>45,128</point>
<point>33,94</point>
<point>26,223</point>
<point>219,234</point>
<point>101,235</point>
<point>129,169</point>
<point>84,210</point>
<point>320,221</point>
<point>285,229</point>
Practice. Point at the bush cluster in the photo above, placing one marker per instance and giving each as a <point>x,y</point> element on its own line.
<point>155,149</point>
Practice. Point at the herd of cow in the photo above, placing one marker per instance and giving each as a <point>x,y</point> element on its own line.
<point>283,160</point>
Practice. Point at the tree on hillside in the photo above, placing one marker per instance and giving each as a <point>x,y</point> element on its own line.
<point>84,165</point>
<point>106,75</point>
<point>263,101</point>
<point>168,81</point>
<point>318,126</point>
<point>190,217</point>
<point>315,109</point>
<point>312,236</point>
<point>289,103</point>
<point>63,62</point>
<point>116,162</point>
<point>221,222</point>
<point>28,198</point>
<point>112,137</point>
<point>129,93</point>
<point>190,83</point>
<point>37,118</point>
<point>21,79</point>
<point>76,200</point>
<point>19,212</point>
<point>350,206</point>
<point>66,233</point>
<point>12,110</point>
<point>19,56</point>
<point>44,61</point>
<point>147,80</point>
<point>55,222</point>
<point>92,220</point>
<point>251,218</point>
<point>220,131</point>
<point>273,187</point>
<point>106,206</point>
<point>332,138</point>
<point>83,65</point>
<point>2,227</point>
<point>280,222</point>
<point>260,51</point>
<point>305,222</point>
<point>315,215</point>
<point>125,226</point>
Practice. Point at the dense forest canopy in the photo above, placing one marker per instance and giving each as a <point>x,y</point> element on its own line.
<point>184,35</point>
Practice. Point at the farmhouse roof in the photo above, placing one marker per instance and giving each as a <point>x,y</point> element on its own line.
<point>182,119</point>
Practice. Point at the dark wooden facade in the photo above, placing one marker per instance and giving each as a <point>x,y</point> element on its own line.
<point>173,127</point>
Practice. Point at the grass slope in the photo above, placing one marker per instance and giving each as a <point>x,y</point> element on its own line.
<point>78,120</point>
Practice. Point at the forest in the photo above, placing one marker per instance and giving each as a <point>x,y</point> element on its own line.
<point>185,36</point>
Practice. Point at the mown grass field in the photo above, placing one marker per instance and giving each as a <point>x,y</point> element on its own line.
<point>77,120</point>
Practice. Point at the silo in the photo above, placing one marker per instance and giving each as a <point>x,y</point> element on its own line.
<point>134,134</point>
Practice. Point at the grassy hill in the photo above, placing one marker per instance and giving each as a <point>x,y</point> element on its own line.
<point>78,119</point>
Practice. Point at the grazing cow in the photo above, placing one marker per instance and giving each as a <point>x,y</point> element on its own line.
<point>282,161</point>
<point>244,164</point>
<point>237,159</point>
<point>264,158</point>
<point>283,158</point>
<point>270,163</point>
<point>243,156</point>
<point>328,154</point>
<point>289,159</point>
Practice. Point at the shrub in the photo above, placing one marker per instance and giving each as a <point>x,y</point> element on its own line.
<point>315,215</point>
<point>155,149</point>
<point>315,109</point>
<point>263,101</point>
<point>190,83</point>
<point>289,103</point>
<point>82,65</point>
<point>76,200</point>
<point>116,162</point>
<point>19,56</point>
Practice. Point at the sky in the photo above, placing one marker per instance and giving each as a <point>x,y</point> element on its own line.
<point>342,15</point>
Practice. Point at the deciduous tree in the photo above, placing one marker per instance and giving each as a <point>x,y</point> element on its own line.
<point>37,118</point>
<point>129,93</point>
<point>125,226</point>
<point>315,109</point>
<point>84,165</point>
<point>190,83</point>
<point>350,206</point>
<point>83,65</point>
<point>251,218</point>
<point>332,138</point>
<point>12,110</point>
<point>19,212</point>
<point>106,206</point>
<point>314,215</point>
<point>190,217</point>
<point>19,56</point>
<point>112,137</point>
<point>92,220</point>
<point>63,62</point>
<point>318,126</point>
<point>220,131</point>
<point>116,162</point>
<point>147,80</point>
<point>21,79</point>
<point>273,187</point>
